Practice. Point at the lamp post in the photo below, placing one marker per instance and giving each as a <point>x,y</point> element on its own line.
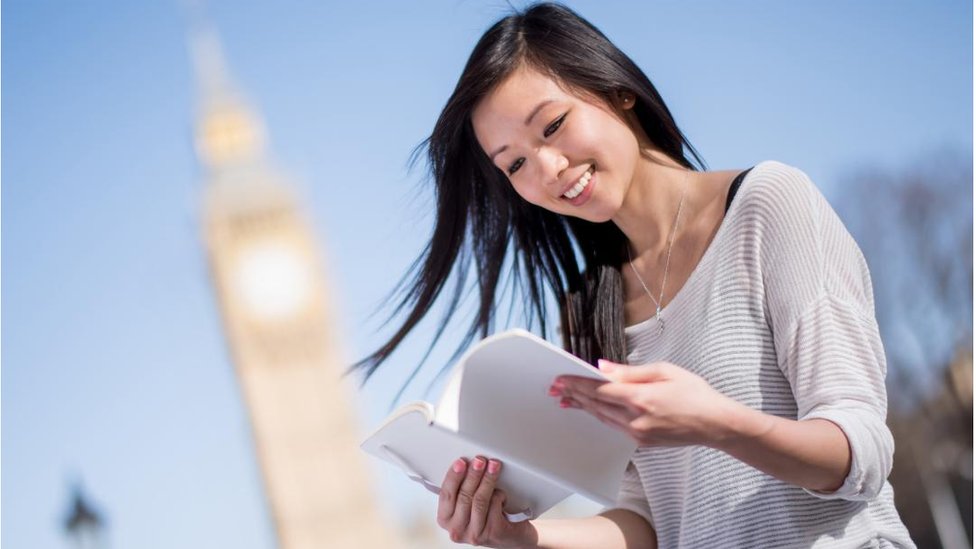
<point>83,525</point>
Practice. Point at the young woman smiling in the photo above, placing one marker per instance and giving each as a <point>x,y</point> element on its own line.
<point>731,310</point>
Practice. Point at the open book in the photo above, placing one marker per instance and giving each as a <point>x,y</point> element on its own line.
<point>496,404</point>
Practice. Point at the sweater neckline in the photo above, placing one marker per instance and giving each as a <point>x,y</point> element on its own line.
<point>643,325</point>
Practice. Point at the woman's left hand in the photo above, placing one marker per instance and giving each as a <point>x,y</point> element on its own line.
<point>657,404</point>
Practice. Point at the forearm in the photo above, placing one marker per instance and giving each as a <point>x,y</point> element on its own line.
<point>617,528</point>
<point>814,454</point>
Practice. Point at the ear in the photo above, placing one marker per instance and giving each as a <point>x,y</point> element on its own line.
<point>626,99</point>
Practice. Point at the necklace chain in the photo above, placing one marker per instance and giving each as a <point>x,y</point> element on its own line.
<point>667,263</point>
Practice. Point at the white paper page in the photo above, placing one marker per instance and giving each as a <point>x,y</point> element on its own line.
<point>427,450</point>
<point>505,403</point>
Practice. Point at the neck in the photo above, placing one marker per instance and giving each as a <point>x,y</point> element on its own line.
<point>648,212</point>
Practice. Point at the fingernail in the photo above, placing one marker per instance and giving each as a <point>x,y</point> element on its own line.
<point>479,464</point>
<point>559,384</point>
<point>555,391</point>
<point>605,365</point>
<point>494,466</point>
<point>564,403</point>
<point>459,465</point>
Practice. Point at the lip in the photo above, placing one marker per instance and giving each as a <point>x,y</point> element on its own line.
<point>585,195</point>
<point>573,183</point>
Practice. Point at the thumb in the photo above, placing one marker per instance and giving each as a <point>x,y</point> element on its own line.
<point>498,499</point>
<point>655,371</point>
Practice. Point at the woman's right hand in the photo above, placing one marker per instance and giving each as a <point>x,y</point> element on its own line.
<point>470,508</point>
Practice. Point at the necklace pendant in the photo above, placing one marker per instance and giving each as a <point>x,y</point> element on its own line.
<point>660,321</point>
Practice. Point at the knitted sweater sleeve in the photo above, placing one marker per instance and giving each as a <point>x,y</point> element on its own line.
<point>818,301</point>
<point>632,495</point>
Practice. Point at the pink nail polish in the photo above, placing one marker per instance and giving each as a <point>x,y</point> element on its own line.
<point>494,466</point>
<point>459,465</point>
<point>479,464</point>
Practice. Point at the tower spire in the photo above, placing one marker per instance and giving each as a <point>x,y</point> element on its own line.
<point>229,133</point>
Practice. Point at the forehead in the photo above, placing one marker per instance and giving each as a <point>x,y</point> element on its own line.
<point>507,106</point>
<point>517,94</point>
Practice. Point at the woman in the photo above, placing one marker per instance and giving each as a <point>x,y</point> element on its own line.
<point>740,302</point>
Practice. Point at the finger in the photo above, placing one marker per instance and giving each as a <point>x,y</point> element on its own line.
<point>482,499</point>
<point>496,515</point>
<point>632,396</point>
<point>576,382</point>
<point>608,420</point>
<point>568,402</point>
<point>449,488</point>
<point>572,385</point>
<point>619,415</point>
<point>611,414</point>
<point>621,394</point>
<point>465,495</point>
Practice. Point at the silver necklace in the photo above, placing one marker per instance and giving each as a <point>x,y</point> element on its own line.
<point>667,263</point>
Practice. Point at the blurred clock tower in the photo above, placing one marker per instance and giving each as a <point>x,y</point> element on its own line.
<point>275,311</point>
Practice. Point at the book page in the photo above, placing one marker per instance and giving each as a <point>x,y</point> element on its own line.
<point>447,407</point>
<point>424,451</point>
<point>504,403</point>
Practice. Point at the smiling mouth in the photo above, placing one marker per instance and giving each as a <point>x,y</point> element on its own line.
<point>576,189</point>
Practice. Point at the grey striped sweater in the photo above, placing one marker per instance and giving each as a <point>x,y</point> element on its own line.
<point>779,315</point>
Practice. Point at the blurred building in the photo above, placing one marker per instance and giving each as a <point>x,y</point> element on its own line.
<point>276,317</point>
<point>933,468</point>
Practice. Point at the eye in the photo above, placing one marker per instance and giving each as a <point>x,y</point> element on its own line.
<point>515,166</point>
<point>551,128</point>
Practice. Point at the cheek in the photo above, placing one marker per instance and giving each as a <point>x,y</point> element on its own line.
<point>530,193</point>
<point>615,139</point>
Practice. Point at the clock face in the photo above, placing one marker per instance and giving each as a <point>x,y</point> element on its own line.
<point>274,280</point>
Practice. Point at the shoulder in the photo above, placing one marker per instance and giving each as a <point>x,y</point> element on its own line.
<point>779,199</point>
<point>802,241</point>
<point>780,186</point>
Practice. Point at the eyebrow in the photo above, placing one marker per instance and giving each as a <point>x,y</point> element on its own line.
<point>528,120</point>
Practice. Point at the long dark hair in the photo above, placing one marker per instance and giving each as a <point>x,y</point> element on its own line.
<point>481,221</point>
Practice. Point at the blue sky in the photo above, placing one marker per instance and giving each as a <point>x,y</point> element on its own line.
<point>113,365</point>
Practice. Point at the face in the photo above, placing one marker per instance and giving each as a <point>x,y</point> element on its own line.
<point>568,154</point>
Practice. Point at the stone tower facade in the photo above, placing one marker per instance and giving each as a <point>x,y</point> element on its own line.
<point>276,317</point>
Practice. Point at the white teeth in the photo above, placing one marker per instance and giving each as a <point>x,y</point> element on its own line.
<point>584,180</point>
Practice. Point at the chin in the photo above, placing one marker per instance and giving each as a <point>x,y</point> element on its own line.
<point>598,213</point>
<point>592,217</point>
<point>600,219</point>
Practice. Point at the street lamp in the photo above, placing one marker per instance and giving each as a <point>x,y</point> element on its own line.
<point>84,526</point>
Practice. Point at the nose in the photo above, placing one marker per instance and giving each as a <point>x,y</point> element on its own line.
<point>553,163</point>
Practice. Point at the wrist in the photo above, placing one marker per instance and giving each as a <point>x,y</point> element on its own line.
<point>528,535</point>
<point>741,425</point>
